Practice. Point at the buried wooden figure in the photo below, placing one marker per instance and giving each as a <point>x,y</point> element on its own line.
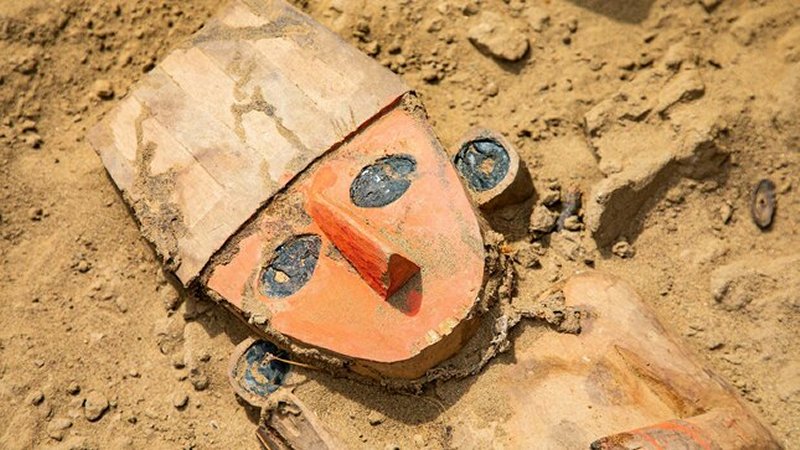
<point>297,182</point>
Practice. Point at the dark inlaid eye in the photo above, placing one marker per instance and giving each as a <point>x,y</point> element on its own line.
<point>483,163</point>
<point>263,375</point>
<point>762,207</point>
<point>383,181</point>
<point>292,266</point>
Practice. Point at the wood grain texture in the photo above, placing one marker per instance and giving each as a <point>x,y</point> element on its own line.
<point>229,119</point>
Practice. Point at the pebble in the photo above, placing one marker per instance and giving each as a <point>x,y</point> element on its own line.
<point>572,24</point>
<point>180,400</point>
<point>493,35</point>
<point>623,249</point>
<point>538,18</point>
<point>375,418</point>
<point>542,220</point>
<point>572,223</point>
<point>33,140</point>
<point>35,214</point>
<point>527,258</point>
<point>178,361</point>
<point>73,388</point>
<point>684,87</point>
<point>470,9</point>
<point>83,266</point>
<point>725,213</point>
<point>430,75</point>
<point>95,406</point>
<point>373,48</point>
<point>103,90</point>
<point>199,380</point>
<point>551,197</point>
<point>676,55</point>
<point>710,5</point>
<point>35,398</point>
<point>57,427</point>
<point>121,304</point>
<point>491,89</point>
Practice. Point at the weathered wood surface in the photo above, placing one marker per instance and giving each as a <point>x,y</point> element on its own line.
<point>231,117</point>
<point>289,424</point>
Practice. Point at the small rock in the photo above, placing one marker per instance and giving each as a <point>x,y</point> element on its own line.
<point>572,24</point>
<point>122,304</point>
<point>178,361</point>
<point>626,64</point>
<point>494,36</point>
<point>597,117</point>
<point>790,45</point>
<point>678,54</point>
<point>538,18</point>
<point>27,125</point>
<point>725,213</point>
<point>35,214</point>
<point>623,249</point>
<point>95,406</point>
<point>542,220</point>
<point>170,300</point>
<point>684,87</point>
<point>73,388</point>
<point>199,380</point>
<point>35,398</point>
<point>675,195</point>
<point>787,382</point>
<point>83,266</point>
<point>375,418</point>
<point>33,140</point>
<point>572,223</point>
<point>470,9</point>
<point>103,90</point>
<point>491,89</point>
<point>57,428</point>
<point>527,257</point>
<point>551,197</point>
<point>372,48</point>
<point>430,75</point>
<point>710,5</point>
<point>180,400</point>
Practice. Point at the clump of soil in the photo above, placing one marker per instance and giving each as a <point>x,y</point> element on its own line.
<point>663,114</point>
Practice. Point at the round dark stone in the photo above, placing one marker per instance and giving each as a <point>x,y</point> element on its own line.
<point>292,266</point>
<point>383,181</point>
<point>483,163</point>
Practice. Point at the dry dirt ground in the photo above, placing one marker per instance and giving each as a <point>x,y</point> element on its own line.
<point>663,113</point>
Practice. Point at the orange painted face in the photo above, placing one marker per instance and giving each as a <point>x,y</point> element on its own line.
<point>375,254</point>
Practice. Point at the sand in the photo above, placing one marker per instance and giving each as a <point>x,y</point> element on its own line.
<point>665,114</point>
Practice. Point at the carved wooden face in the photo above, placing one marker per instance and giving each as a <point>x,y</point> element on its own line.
<point>374,254</point>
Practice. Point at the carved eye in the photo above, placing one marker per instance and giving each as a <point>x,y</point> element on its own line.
<point>292,266</point>
<point>383,181</point>
<point>483,163</point>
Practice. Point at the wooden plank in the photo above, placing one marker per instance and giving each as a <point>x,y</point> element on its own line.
<point>230,118</point>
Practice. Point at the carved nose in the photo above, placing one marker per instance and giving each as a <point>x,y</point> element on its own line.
<point>379,262</point>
